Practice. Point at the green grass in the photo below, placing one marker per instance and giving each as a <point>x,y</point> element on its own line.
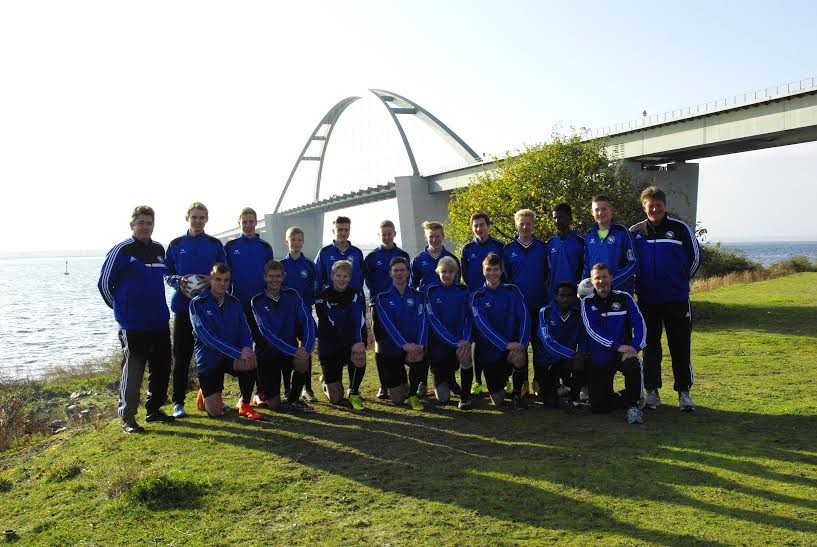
<point>741,470</point>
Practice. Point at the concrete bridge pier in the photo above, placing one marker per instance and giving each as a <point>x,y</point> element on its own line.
<point>416,205</point>
<point>276,226</point>
<point>679,180</point>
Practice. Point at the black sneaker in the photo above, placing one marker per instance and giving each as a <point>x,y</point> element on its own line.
<point>518,402</point>
<point>382,393</point>
<point>422,391</point>
<point>300,406</point>
<point>159,416</point>
<point>455,389</point>
<point>465,405</point>
<point>130,426</point>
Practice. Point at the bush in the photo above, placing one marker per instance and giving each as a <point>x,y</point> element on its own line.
<point>718,262</point>
<point>794,264</point>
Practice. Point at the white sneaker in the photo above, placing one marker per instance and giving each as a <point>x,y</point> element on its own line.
<point>685,402</point>
<point>584,394</point>
<point>653,400</point>
<point>634,416</point>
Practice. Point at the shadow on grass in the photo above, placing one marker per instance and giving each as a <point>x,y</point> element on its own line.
<point>537,467</point>
<point>791,320</point>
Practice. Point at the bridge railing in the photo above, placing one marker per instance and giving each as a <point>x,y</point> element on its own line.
<point>750,97</point>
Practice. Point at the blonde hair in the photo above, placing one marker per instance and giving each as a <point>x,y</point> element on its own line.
<point>197,205</point>
<point>447,263</point>
<point>344,265</point>
<point>523,213</point>
<point>247,211</point>
<point>432,225</point>
<point>292,230</point>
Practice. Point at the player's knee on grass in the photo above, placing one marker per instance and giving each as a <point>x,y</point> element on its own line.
<point>397,395</point>
<point>334,392</point>
<point>214,405</point>
<point>442,392</point>
<point>274,403</point>
<point>498,398</point>
<point>301,366</point>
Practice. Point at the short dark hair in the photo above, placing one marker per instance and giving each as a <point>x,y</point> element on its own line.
<point>653,192</point>
<point>480,214</point>
<point>492,260</point>
<point>398,260</point>
<point>341,220</point>
<point>273,265</point>
<point>600,266</point>
<point>387,224</point>
<point>601,197</point>
<point>146,210</point>
<point>562,207</point>
<point>220,267</point>
<point>569,285</point>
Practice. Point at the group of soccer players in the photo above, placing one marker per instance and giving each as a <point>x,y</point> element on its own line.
<point>255,320</point>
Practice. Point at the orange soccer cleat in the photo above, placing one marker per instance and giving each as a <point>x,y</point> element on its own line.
<point>247,411</point>
<point>200,401</point>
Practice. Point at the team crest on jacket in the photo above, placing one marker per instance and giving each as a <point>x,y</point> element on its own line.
<point>630,255</point>
<point>670,234</point>
<point>616,306</point>
<point>304,274</point>
<point>379,262</point>
<point>611,239</point>
<point>132,259</point>
<point>236,252</point>
<point>409,301</point>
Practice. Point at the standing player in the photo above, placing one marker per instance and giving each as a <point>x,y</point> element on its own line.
<point>246,257</point>
<point>608,242</point>
<point>193,253</point>
<point>340,249</point>
<point>223,345</point>
<point>341,331</point>
<point>668,256</point>
<point>617,333</point>
<point>376,275</point>
<point>525,261</point>
<point>502,333</point>
<point>287,339</point>
<point>131,283</point>
<point>300,274</point>
<point>565,249</point>
<point>449,340</point>
<point>401,314</point>
<point>562,334</point>
<point>473,254</point>
<point>424,265</point>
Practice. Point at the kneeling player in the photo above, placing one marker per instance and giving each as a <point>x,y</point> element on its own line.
<point>401,315</point>
<point>503,331</point>
<point>449,341</point>
<point>341,330</point>
<point>223,345</point>
<point>562,334</point>
<point>617,333</point>
<point>283,320</point>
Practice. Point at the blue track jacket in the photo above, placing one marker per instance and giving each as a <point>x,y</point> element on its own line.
<point>450,319</point>
<point>562,335</point>
<point>247,257</point>
<point>403,318</point>
<point>329,255</point>
<point>341,320</point>
<point>190,255</point>
<point>220,331</point>
<point>283,321</point>
<point>565,258</point>
<point>424,266</point>
<point>611,322</point>
<point>131,283</point>
<point>473,254</point>
<point>668,257</point>
<point>615,250</point>
<point>500,316</point>
<point>301,275</point>
<point>376,269</point>
<point>527,268</point>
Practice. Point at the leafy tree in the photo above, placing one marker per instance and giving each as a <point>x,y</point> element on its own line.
<point>567,169</point>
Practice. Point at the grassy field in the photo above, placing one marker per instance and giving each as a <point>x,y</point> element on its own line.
<point>740,470</point>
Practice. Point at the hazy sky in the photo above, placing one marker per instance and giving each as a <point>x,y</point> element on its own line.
<point>105,105</point>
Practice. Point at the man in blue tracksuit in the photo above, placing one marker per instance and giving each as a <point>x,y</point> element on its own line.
<point>340,249</point>
<point>401,316</point>
<point>608,242</point>
<point>424,265</point>
<point>450,333</point>
<point>616,332</point>
<point>246,257</point>
<point>525,262</point>
<point>287,339</point>
<point>131,283</point>
<point>473,254</point>
<point>668,256</point>
<point>193,253</point>
<point>341,314</point>
<point>562,334</point>
<point>565,249</point>
<point>223,345</point>
<point>378,279</point>
<point>502,333</point>
<point>301,274</point>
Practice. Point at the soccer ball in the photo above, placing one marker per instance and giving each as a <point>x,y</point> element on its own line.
<point>585,288</point>
<point>195,284</point>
